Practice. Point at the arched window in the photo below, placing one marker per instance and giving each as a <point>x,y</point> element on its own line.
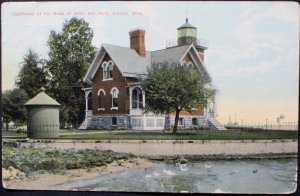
<point>107,70</point>
<point>101,98</point>
<point>137,98</point>
<point>104,67</point>
<point>110,69</point>
<point>114,94</point>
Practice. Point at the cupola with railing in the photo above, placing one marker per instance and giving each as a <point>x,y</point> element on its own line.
<point>187,34</point>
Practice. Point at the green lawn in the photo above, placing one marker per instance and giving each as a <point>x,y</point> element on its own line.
<point>181,135</point>
<point>186,135</point>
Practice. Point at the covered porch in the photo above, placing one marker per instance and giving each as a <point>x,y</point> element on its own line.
<point>137,100</point>
<point>88,102</point>
<point>138,119</point>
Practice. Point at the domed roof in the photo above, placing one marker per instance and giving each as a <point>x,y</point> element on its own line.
<point>186,25</point>
<point>42,99</point>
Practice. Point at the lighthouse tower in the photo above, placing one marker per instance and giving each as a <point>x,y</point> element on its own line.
<point>187,34</point>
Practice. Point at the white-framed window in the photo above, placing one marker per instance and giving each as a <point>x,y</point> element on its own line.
<point>101,98</point>
<point>137,98</point>
<point>114,98</point>
<point>108,68</point>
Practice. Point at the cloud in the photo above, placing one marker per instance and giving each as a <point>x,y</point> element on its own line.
<point>246,31</point>
<point>282,11</point>
<point>148,10</point>
<point>229,54</point>
<point>252,50</point>
<point>240,62</point>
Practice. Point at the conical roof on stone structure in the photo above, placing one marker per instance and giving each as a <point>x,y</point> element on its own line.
<point>42,99</point>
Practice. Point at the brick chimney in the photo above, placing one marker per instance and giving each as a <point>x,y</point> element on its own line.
<point>137,41</point>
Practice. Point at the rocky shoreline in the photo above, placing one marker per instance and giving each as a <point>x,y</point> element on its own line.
<point>15,179</point>
<point>43,181</point>
<point>81,161</point>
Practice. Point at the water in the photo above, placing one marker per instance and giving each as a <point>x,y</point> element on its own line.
<point>245,176</point>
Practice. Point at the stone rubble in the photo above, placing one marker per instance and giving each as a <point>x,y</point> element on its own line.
<point>12,174</point>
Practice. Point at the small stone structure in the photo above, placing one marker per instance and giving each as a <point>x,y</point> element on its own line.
<point>43,116</point>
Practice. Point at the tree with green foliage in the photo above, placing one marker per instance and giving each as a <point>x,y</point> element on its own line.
<point>32,75</point>
<point>70,54</point>
<point>170,87</point>
<point>13,106</point>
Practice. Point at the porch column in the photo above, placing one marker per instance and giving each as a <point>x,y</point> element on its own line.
<point>130,98</point>
<point>86,100</point>
<point>87,92</point>
<point>144,99</point>
<point>86,103</point>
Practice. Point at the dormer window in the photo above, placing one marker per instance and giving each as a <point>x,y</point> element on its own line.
<point>108,70</point>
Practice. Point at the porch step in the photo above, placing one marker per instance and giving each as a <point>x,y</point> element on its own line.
<point>215,125</point>
<point>85,123</point>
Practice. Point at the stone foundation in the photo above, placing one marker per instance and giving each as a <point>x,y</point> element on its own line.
<point>106,122</point>
<point>187,122</point>
<point>124,122</point>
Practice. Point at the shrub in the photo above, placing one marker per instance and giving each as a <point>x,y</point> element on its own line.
<point>21,130</point>
<point>32,160</point>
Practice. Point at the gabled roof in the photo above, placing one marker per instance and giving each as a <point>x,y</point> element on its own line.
<point>170,54</point>
<point>126,59</point>
<point>199,63</point>
<point>42,99</point>
<point>131,64</point>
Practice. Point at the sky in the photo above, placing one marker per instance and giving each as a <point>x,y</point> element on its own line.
<point>252,55</point>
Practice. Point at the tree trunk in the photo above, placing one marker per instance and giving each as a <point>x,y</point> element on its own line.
<point>176,122</point>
